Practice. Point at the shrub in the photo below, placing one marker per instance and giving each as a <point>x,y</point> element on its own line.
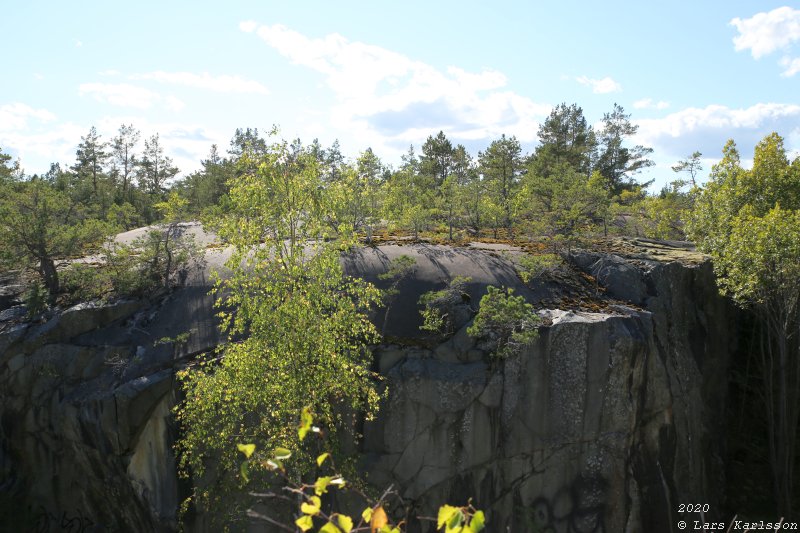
<point>530,267</point>
<point>36,299</point>
<point>82,282</point>
<point>438,306</point>
<point>507,321</point>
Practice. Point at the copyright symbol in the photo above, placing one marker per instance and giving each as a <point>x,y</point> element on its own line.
<point>681,525</point>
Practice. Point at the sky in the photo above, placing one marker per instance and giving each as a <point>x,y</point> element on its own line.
<point>387,75</point>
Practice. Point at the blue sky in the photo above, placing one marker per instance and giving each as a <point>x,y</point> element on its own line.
<point>386,75</point>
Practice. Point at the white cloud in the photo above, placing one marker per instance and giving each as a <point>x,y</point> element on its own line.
<point>707,129</point>
<point>224,83</point>
<point>648,103</point>
<point>767,32</point>
<point>15,116</point>
<point>55,143</point>
<point>78,43</point>
<point>126,95</point>
<point>386,96</point>
<point>791,66</point>
<point>764,33</point>
<point>601,86</point>
<point>248,26</point>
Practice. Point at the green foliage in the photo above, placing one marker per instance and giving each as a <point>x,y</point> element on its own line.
<point>437,305</point>
<point>206,188</point>
<point>761,263</point>
<point>82,282</point>
<point>35,299</point>
<point>154,168</point>
<point>9,172</point>
<point>748,221</point>
<point>399,268</point>
<point>409,199</point>
<point>124,216</point>
<point>691,165</point>
<point>618,163</point>
<point>508,321</point>
<point>666,214</point>
<point>563,203</point>
<point>179,339</point>
<point>530,267</point>
<point>460,519</point>
<point>501,165</point>
<point>39,225</point>
<point>566,142</point>
<point>162,258</point>
<point>297,326</point>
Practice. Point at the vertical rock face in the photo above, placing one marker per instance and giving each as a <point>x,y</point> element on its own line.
<point>87,432</point>
<point>606,423</point>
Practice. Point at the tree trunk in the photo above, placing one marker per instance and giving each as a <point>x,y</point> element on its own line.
<point>47,269</point>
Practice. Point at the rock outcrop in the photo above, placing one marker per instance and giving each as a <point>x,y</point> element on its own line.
<point>87,432</point>
<point>607,422</point>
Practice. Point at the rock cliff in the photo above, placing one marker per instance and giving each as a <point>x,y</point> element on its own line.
<point>607,422</point>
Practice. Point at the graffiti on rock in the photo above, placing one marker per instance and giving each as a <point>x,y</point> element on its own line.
<point>575,508</point>
<point>47,522</point>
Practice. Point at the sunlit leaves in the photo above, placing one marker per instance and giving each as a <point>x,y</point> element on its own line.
<point>305,423</point>
<point>297,326</point>
<point>448,515</point>
<point>246,449</point>
<point>366,514</point>
<point>305,522</point>
<point>281,453</point>
<point>460,519</point>
<point>344,522</point>
<point>321,485</point>
<point>312,506</point>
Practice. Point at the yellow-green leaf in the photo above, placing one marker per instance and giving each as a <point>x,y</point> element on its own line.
<point>455,520</point>
<point>338,481</point>
<point>478,522</point>
<point>305,522</point>
<point>446,513</point>
<point>321,485</point>
<point>329,528</point>
<point>246,449</point>
<point>321,458</point>
<point>366,514</point>
<point>312,506</point>
<point>281,453</point>
<point>345,522</point>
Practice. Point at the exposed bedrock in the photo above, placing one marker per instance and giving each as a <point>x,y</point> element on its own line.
<point>606,423</point>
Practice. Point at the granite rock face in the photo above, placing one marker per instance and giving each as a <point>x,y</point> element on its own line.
<point>87,432</point>
<point>605,423</point>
